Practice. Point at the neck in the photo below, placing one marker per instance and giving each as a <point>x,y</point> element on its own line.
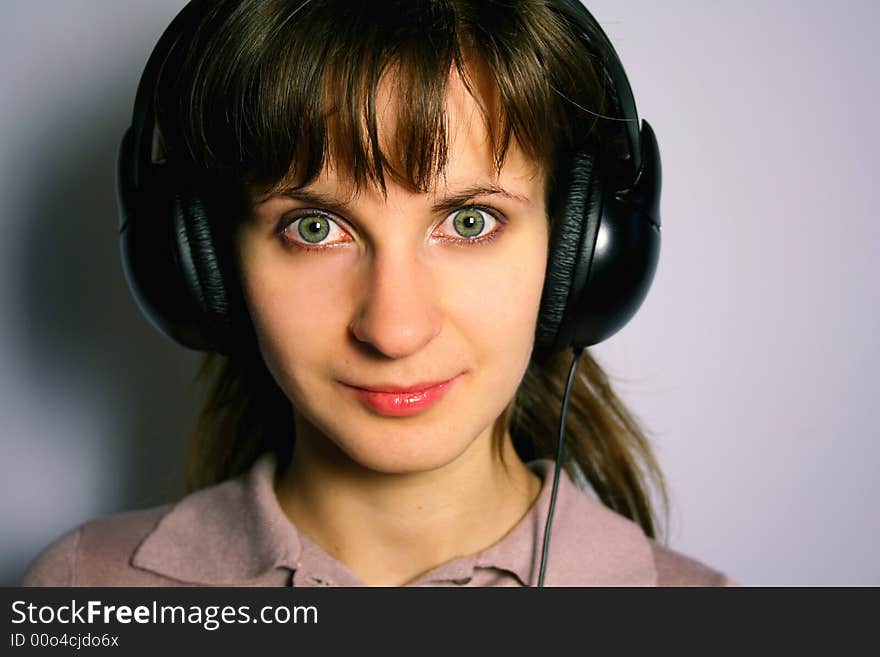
<point>387,529</point>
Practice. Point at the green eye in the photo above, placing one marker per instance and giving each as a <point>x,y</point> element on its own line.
<point>468,222</point>
<point>313,229</point>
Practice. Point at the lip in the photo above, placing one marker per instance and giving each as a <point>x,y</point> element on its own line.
<point>398,401</point>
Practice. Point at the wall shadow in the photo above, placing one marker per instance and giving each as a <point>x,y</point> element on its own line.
<point>82,333</point>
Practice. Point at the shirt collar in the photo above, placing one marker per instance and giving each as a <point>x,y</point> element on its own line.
<point>235,533</point>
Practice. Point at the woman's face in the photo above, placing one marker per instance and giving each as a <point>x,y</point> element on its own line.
<point>359,291</point>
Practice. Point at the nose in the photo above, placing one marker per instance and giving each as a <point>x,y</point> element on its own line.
<point>399,313</point>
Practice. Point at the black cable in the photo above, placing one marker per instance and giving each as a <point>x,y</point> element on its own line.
<point>559,452</point>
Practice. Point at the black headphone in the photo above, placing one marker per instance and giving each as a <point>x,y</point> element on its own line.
<point>604,244</point>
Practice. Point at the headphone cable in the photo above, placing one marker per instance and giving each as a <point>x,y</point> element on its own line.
<point>559,452</point>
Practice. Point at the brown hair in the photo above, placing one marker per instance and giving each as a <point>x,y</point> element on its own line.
<point>266,92</point>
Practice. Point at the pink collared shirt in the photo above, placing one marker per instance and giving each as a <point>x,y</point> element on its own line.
<point>236,534</point>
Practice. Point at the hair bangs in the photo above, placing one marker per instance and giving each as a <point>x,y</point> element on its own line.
<point>270,93</point>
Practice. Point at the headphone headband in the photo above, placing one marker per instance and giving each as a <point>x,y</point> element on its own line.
<point>142,133</point>
<point>630,158</point>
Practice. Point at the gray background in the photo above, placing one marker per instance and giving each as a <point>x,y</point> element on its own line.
<point>751,362</point>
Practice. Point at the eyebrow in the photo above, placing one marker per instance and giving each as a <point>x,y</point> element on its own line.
<point>446,204</point>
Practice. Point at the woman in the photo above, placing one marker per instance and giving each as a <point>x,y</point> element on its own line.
<point>369,206</point>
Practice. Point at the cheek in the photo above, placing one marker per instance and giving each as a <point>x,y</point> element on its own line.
<point>299,310</point>
<point>501,293</point>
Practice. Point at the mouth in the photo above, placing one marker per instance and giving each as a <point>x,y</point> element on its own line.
<point>400,401</point>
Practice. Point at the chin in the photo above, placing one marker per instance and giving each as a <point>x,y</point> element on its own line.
<point>408,453</point>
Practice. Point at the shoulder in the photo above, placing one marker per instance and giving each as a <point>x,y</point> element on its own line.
<point>677,569</point>
<point>227,534</point>
<point>96,553</point>
<point>597,546</point>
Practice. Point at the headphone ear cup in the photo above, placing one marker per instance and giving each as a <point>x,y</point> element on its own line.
<point>201,273</point>
<point>161,252</point>
<point>575,212</point>
<point>605,245</point>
